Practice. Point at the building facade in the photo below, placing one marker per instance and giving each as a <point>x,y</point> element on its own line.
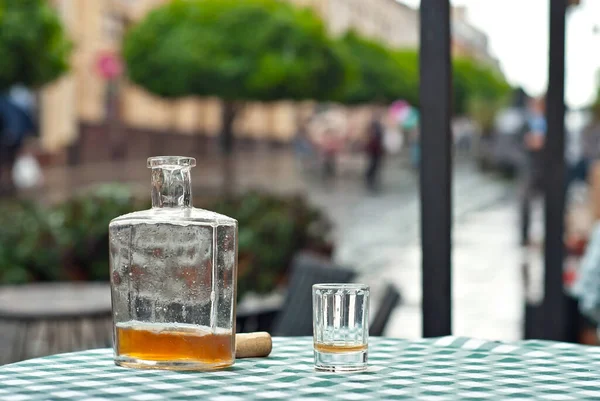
<point>469,41</point>
<point>388,21</point>
<point>79,99</point>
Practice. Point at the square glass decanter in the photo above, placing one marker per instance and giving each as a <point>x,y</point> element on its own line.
<point>173,278</point>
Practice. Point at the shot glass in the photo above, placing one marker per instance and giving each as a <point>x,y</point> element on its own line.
<point>341,327</point>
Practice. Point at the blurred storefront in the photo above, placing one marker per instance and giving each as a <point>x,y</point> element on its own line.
<point>74,109</point>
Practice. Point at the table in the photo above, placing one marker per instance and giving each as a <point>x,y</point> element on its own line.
<point>56,317</point>
<point>447,368</point>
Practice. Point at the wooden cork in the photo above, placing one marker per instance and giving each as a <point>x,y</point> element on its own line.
<point>253,345</point>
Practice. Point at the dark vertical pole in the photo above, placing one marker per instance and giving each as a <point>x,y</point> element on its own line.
<point>436,209</point>
<point>554,306</point>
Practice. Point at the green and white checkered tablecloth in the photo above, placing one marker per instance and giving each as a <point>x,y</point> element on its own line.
<point>448,368</point>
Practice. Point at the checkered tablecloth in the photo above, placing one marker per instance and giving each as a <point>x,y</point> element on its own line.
<point>448,368</point>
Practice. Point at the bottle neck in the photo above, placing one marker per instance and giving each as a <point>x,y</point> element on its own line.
<point>171,187</point>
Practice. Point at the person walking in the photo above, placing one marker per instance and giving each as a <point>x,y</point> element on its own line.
<point>533,169</point>
<point>588,148</point>
<point>16,123</point>
<point>330,148</point>
<point>303,146</point>
<point>576,155</point>
<point>375,153</point>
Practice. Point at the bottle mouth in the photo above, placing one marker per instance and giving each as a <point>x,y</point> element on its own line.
<point>172,161</point>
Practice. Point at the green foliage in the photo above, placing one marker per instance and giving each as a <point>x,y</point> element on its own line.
<point>82,229</point>
<point>28,245</point>
<point>69,241</point>
<point>269,50</point>
<point>388,74</point>
<point>271,230</point>
<point>408,65</point>
<point>34,48</point>
<point>64,242</point>
<point>233,49</point>
<point>379,76</point>
<point>475,81</point>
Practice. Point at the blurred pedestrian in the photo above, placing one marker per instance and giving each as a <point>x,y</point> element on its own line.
<point>15,124</point>
<point>330,146</point>
<point>463,131</point>
<point>410,125</point>
<point>303,146</point>
<point>591,135</point>
<point>375,152</point>
<point>533,169</point>
<point>577,157</point>
<point>590,144</point>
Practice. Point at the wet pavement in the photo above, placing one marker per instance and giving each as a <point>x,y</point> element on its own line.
<point>487,288</point>
<point>380,236</point>
<point>377,234</point>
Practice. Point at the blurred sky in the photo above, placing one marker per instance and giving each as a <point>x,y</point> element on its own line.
<point>518,37</point>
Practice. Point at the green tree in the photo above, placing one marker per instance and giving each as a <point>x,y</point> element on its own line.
<point>408,65</point>
<point>475,82</point>
<point>34,48</point>
<point>386,74</point>
<point>237,50</point>
<point>379,75</point>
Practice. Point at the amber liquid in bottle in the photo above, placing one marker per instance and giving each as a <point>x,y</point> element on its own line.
<point>340,348</point>
<point>151,343</point>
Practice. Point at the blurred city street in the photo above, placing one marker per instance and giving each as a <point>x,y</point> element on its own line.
<point>378,234</point>
<point>408,183</point>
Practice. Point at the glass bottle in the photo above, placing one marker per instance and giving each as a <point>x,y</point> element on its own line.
<point>173,278</point>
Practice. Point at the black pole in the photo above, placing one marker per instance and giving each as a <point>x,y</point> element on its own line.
<point>436,208</point>
<point>554,305</point>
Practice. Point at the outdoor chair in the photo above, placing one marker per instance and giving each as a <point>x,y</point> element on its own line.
<point>295,317</point>
<point>390,300</point>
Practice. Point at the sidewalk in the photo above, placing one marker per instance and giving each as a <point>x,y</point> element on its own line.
<point>488,298</point>
<point>380,237</point>
<point>273,169</point>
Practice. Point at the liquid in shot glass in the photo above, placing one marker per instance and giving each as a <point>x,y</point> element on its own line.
<point>341,326</point>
